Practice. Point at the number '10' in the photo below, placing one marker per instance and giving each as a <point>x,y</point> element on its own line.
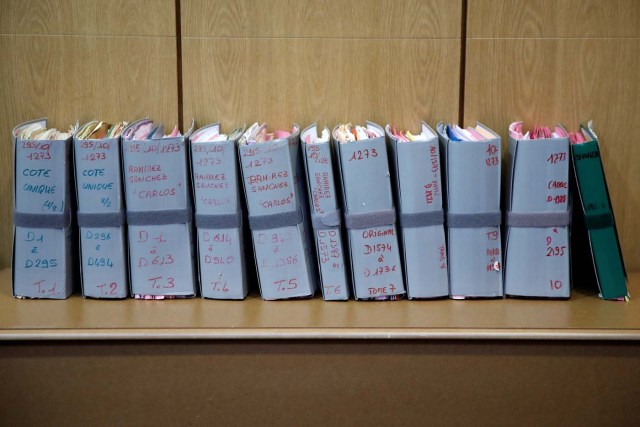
<point>555,284</point>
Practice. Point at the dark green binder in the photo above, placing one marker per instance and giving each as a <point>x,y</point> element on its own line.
<point>599,220</point>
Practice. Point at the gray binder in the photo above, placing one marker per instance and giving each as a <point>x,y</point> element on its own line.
<point>218,217</point>
<point>42,238</point>
<point>158,214</point>
<point>537,258</point>
<point>417,178</point>
<point>370,217</point>
<point>325,215</point>
<point>101,217</point>
<point>274,186</point>
<point>472,170</point>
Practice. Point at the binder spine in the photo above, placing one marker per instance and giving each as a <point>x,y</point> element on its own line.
<point>326,219</point>
<point>537,249</point>
<point>595,205</point>
<point>159,217</point>
<point>218,219</point>
<point>101,218</point>
<point>370,218</point>
<point>473,216</point>
<point>417,173</point>
<point>277,217</point>
<point>43,218</point>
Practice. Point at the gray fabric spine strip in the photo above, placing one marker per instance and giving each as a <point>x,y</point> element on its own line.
<point>474,220</point>
<point>212,222</point>
<point>163,217</point>
<point>326,221</point>
<point>602,220</point>
<point>421,219</point>
<point>282,219</point>
<point>538,219</point>
<point>39,220</point>
<point>370,219</point>
<point>101,219</point>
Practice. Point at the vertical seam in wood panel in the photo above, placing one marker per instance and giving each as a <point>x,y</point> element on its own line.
<point>463,59</point>
<point>179,63</point>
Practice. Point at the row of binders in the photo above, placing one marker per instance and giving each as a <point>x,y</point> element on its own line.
<point>377,213</point>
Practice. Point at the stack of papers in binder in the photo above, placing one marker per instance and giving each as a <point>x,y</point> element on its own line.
<point>158,211</point>
<point>369,211</point>
<point>218,215</point>
<point>415,161</point>
<point>43,208</point>
<point>325,213</point>
<point>596,214</point>
<point>471,164</point>
<point>537,258</point>
<point>101,216</point>
<point>274,185</point>
<point>38,131</point>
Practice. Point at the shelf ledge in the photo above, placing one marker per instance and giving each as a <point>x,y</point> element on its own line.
<point>583,317</point>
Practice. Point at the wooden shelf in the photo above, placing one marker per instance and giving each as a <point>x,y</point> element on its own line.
<point>584,316</point>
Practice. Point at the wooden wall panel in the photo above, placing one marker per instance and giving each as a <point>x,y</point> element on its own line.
<point>321,18</point>
<point>549,70</point>
<point>89,17</point>
<point>322,61</point>
<point>51,81</point>
<point>553,18</point>
<point>76,60</point>
<point>323,80</point>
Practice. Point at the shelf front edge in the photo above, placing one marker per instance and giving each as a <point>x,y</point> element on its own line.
<point>306,333</point>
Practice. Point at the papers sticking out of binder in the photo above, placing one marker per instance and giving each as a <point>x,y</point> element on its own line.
<point>595,215</point>
<point>471,164</point>
<point>415,163</point>
<point>158,211</point>
<point>537,250</point>
<point>43,212</point>
<point>100,130</point>
<point>38,131</point>
<point>275,189</point>
<point>370,216</point>
<point>326,217</point>
<point>218,215</point>
<point>101,215</point>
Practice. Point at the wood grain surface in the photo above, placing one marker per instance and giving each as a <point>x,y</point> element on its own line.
<point>320,80</point>
<point>584,316</point>
<point>553,18</point>
<point>88,17</point>
<point>319,383</point>
<point>322,18</point>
